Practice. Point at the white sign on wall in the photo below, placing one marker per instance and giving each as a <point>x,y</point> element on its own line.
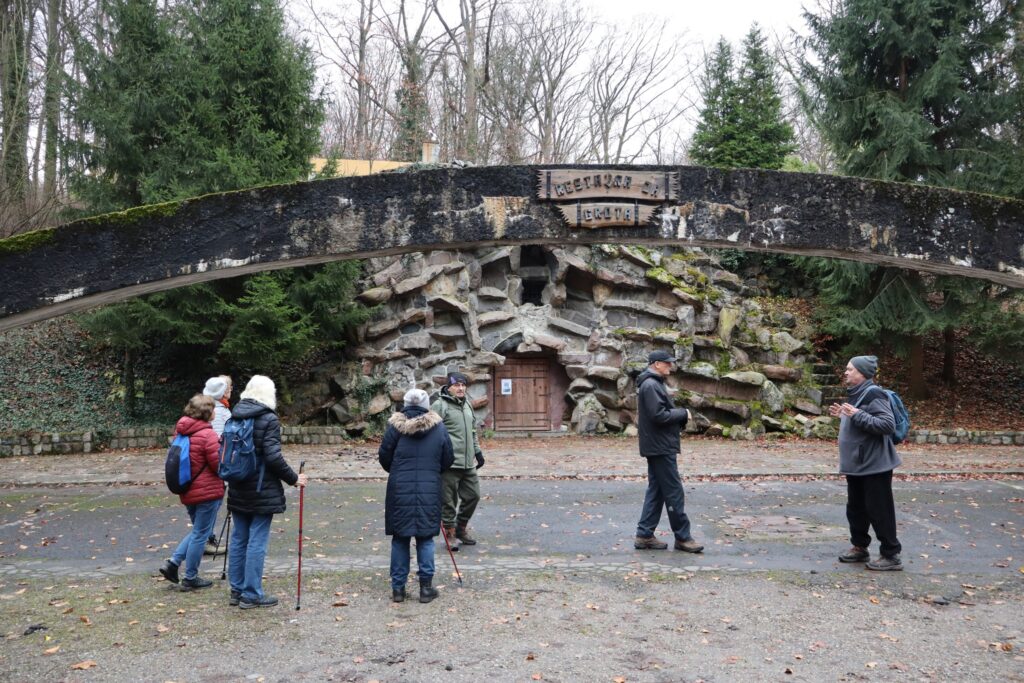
<point>506,387</point>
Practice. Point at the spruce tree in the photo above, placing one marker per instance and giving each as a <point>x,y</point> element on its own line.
<point>767,139</point>
<point>201,97</point>
<point>914,91</point>
<point>716,130</point>
<point>741,123</point>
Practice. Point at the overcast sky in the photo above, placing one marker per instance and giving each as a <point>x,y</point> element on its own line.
<point>707,20</point>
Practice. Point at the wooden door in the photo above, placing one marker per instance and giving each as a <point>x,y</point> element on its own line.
<point>521,395</point>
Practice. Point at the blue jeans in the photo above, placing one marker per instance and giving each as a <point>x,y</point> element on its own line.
<point>203,516</point>
<point>192,518</point>
<point>246,553</point>
<point>400,559</point>
<point>664,489</point>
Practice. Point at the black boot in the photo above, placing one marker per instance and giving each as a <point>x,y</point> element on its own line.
<point>427,592</point>
<point>170,571</point>
<point>398,594</point>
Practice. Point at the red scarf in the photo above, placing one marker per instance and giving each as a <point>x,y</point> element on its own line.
<point>224,402</point>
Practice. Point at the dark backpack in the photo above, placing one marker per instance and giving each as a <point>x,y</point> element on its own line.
<point>238,461</point>
<point>178,465</point>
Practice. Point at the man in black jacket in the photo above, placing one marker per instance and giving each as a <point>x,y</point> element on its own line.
<point>659,427</point>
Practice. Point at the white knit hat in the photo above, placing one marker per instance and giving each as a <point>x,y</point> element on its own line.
<point>215,388</point>
<point>417,397</point>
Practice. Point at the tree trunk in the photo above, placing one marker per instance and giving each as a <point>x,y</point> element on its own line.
<point>949,357</point>
<point>14,90</point>
<point>51,97</point>
<point>918,386</point>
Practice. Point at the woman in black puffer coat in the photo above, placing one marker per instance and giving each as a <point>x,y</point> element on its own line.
<point>253,503</point>
<point>414,451</point>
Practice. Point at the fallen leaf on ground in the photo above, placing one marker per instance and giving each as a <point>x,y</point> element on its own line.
<point>52,651</point>
<point>83,666</point>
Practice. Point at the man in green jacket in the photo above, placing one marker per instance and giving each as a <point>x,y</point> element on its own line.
<point>460,486</point>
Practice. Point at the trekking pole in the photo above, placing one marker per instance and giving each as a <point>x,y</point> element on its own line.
<point>298,590</point>
<point>227,525</point>
<point>216,549</point>
<point>451,554</point>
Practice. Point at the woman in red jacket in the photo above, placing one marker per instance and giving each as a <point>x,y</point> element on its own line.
<point>202,500</point>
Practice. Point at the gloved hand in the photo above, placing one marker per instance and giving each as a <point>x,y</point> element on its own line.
<point>479,459</point>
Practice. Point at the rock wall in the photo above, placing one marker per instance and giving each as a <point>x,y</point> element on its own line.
<point>595,312</point>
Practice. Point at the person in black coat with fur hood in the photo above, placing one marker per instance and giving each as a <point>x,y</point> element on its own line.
<point>253,503</point>
<point>415,450</point>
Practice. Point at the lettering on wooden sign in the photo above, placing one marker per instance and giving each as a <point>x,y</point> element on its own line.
<point>596,198</point>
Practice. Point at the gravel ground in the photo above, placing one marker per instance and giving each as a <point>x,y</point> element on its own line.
<point>556,594</point>
<point>523,626</point>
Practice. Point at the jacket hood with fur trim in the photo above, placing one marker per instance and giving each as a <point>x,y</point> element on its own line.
<point>261,389</point>
<point>413,421</point>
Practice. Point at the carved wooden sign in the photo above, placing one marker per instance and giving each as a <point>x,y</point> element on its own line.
<point>594,198</point>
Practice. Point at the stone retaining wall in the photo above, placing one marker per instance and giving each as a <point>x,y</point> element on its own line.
<point>48,443</point>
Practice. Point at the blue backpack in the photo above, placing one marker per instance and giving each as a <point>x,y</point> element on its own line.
<point>899,411</point>
<point>178,466</point>
<point>238,460</point>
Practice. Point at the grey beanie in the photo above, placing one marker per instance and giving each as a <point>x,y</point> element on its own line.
<point>866,365</point>
<point>416,398</point>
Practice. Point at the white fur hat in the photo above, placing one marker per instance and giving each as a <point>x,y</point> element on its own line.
<point>261,389</point>
<point>417,397</point>
<point>215,388</point>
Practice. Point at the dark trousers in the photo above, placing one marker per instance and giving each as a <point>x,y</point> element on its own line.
<point>664,488</point>
<point>869,502</point>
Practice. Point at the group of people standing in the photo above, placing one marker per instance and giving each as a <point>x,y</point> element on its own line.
<point>252,503</point>
<point>432,453</point>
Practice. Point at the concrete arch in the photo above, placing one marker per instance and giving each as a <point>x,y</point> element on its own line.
<point>106,259</point>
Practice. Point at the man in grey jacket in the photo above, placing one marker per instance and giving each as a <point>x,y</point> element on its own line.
<point>867,457</point>
<point>659,424</point>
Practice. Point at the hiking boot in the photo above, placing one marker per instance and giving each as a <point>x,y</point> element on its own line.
<point>462,533</point>
<point>398,594</point>
<point>689,546</point>
<point>170,571</point>
<point>648,543</point>
<point>855,554</point>
<point>427,592</point>
<point>265,601</point>
<point>195,584</point>
<point>886,564</point>
<point>236,596</point>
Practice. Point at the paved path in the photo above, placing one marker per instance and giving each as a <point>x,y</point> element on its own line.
<point>970,527</point>
<point>564,457</point>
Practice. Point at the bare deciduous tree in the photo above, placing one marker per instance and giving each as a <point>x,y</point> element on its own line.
<point>636,88</point>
